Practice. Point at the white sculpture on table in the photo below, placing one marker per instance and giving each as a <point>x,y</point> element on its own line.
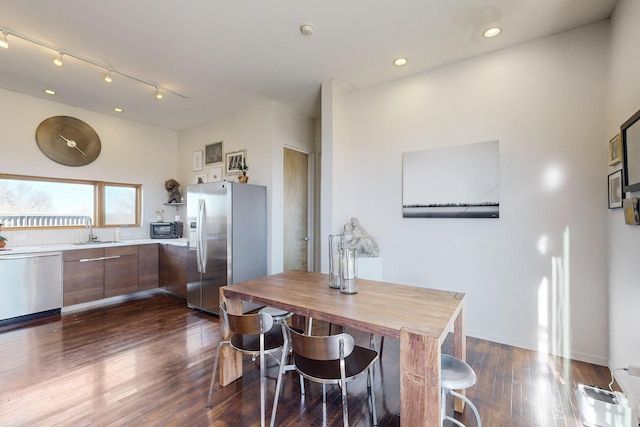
<point>356,237</point>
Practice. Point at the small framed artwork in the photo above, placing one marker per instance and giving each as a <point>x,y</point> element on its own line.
<point>630,131</point>
<point>631,211</point>
<point>197,160</point>
<point>200,179</point>
<point>213,153</point>
<point>615,150</point>
<point>615,190</point>
<point>234,161</point>
<point>215,175</point>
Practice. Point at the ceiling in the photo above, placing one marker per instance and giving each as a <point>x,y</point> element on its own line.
<point>226,55</point>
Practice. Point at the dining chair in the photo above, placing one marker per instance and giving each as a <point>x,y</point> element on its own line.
<point>455,374</point>
<point>332,359</point>
<point>254,335</point>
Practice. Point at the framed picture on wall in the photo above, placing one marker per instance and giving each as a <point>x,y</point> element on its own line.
<point>630,131</point>
<point>615,150</point>
<point>615,190</point>
<point>234,161</point>
<point>197,161</point>
<point>215,175</point>
<point>213,153</point>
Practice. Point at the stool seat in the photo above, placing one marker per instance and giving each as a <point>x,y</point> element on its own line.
<point>456,374</point>
<point>277,314</point>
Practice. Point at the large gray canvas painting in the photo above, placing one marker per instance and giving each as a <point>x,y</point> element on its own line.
<point>452,182</point>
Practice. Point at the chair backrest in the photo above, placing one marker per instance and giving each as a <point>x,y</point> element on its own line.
<point>246,324</point>
<point>320,347</point>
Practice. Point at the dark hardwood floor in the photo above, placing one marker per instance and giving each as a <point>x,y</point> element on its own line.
<point>147,362</point>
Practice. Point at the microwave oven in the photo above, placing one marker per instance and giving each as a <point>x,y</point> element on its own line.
<point>166,230</point>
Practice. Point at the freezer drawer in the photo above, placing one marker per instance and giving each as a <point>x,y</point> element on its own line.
<point>31,283</point>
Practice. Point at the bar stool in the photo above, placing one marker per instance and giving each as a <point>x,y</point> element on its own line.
<point>277,314</point>
<point>455,374</point>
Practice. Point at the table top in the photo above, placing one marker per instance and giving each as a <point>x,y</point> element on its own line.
<point>379,307</point>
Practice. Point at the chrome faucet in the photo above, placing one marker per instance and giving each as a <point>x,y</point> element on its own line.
<point>92,238</point>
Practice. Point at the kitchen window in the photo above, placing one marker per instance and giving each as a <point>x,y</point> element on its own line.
<point>37,202</point>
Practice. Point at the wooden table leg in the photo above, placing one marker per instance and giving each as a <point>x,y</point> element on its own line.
<point>230,360</point>
<point>459,351</point>
<point>419,379</point>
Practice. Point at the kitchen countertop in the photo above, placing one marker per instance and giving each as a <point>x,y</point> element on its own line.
<point>73,246</point>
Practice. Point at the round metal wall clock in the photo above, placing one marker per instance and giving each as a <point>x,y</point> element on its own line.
<point>68,141</point>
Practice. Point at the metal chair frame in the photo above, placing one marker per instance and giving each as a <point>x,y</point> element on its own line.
<point>319,358</point>
<point>244,329</point>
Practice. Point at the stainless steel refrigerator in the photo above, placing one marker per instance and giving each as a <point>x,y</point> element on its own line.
<point>227,232</point>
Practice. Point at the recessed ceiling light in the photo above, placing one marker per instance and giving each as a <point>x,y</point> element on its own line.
<point>50,92</point>
<point>491,32</point>
<point>400,62</point>
<point>118,109</point>
<point>307,29</point>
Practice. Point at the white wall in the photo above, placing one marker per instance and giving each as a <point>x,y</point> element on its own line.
<point>544,101</point>
<point>624,240</point>
<point>131,153</point>
<point>263,129</point>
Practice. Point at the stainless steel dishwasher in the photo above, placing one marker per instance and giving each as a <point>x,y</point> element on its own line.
<point>30,284</point>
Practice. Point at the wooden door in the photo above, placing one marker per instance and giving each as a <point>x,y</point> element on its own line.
<point>296,206</point>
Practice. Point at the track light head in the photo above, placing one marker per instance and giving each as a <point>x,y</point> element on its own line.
<point>108,78</point>
<point>58,61</point>
<point>158,93</point>
<point>3,41</point>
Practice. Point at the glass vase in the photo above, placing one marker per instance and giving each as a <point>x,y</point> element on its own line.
<point>349,269</point>
<point>335,272</point>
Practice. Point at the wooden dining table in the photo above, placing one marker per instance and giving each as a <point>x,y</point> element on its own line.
<point>420,318</point>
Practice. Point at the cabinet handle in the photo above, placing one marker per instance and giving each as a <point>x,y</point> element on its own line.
<point>99,259</point>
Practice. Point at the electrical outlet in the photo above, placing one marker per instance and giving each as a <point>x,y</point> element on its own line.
<point>634,371</point>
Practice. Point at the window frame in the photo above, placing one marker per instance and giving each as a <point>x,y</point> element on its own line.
<point>99,206</point>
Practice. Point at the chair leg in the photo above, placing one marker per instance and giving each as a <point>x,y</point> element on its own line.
<point>213,372</point>
<point>263,384</point>
<point>281,371</point>
<point>372,397</point>
<point>345,409</point>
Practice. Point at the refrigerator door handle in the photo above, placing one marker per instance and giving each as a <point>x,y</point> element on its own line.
<point>199,236</point>
<point>202,236</point>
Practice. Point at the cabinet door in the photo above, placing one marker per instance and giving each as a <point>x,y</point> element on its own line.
<point>177,270</point>
<point>120,270</point>
<point>148,275</point>
<point>83,276</point>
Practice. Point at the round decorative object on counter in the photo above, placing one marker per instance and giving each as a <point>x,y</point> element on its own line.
<point>68,141</point>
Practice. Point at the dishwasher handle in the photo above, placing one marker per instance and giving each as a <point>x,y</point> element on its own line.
<point>23,256</point>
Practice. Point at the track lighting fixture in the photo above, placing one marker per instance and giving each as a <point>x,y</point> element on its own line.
<point>59,62</point>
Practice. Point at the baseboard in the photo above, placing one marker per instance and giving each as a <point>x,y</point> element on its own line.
<point>574,355</point>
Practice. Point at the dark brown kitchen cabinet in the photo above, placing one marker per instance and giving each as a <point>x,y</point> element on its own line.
<point>120,270</point>
<point>148,262</point>
<point>83,276</point>
<point>173,269</point>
